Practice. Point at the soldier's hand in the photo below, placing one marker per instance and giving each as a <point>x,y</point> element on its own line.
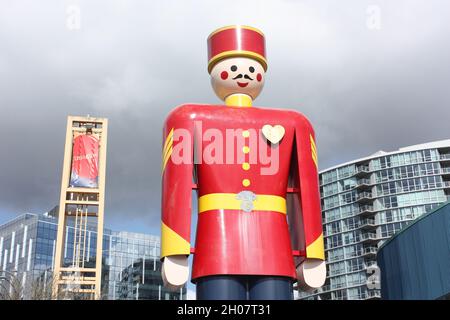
<point>311,274</point>
<point>175,272</point>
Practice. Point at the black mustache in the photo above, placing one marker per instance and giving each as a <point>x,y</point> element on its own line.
<point>242,76</point>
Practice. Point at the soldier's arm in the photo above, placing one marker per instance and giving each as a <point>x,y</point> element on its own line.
<point>177,170</point>
<point>311,272</point>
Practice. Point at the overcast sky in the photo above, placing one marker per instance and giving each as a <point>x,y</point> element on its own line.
<point>370,75</point>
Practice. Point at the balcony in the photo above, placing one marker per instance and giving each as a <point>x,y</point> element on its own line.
<point>369,237</point>
<point>364,197</point>
<point>353,254</point>
<point>366,210</point>
<point>444,157</point>
<point>445,170</point>
<point>362,170</point>
<point>369,263</point>
<point>324,289</point>
<point>369,251</point>
<point>367,223</point>
<point>364,182</point>
<point>375,294</point>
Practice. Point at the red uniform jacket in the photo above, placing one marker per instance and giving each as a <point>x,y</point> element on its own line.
<point>242,190</point>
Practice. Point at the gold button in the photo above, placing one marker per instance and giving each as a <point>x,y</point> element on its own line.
<point>245,149</point>
<point>245,133</point>
<point>246,166</point>
<point>245,182</point>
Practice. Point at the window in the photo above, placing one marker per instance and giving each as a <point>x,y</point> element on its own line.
<point>348,197</point>
<point>355,264</point>
<point>350,224</point>
<point>336,268</point>
<point>336,254</point>
<point>337,282</point>
<point>350,237</point>
<point>333,227</point>
<point>331,215</point>
<point>331,202</point>
<point>356,278</point>
<point>330,189</point>
<point>339,295</point>
<point>334,241</point>
<point>346,171</point>
<point>347,210</point>
<point>329,176</point>
<point>348,184</point>
<point>389,229</point>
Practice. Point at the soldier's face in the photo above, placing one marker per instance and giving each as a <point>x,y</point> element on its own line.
<point>237,75</point>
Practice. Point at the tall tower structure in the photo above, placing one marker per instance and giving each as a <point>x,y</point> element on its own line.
<point>365,201</point>
<point>81,203</point>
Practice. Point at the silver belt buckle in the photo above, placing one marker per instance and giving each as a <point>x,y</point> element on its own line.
<point>247,198</point>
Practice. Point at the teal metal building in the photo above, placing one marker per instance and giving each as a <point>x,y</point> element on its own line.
<point>415,263</point>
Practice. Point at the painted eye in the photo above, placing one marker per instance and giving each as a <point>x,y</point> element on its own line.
<point>233,68</point>
<point>251,69</point>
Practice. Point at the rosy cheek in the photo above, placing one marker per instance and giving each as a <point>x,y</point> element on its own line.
<point>224,75</point>
<point>259,77</point>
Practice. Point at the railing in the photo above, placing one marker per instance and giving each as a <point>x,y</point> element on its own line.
<point>351,255</point>
<point>363,181</point>
<point>369,250</point>
<point>357,283</point>
<point>364,169</point>
<point>369,264</point>
<point>367,222</point>
<point>429,186</point>
<point>445,170</point>
<point>368,236</point>
<point>324,288</point>
<point>365,208</point>
<point>371,294</point>
<point>336,258</point>
<point>366,295</point>
<point>364,195</point>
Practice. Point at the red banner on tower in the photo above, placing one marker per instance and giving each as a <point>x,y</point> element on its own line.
<point>85,161</point>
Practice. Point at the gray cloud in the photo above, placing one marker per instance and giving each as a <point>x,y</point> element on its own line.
<point>134,61</point>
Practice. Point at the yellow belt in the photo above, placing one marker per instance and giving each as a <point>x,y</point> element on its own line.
<point>218,201</point>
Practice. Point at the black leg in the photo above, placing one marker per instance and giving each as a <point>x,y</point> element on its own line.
<point>270,288</point>
<point>221,288</point>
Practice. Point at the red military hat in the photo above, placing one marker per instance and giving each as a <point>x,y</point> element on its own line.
<point>236,41</point>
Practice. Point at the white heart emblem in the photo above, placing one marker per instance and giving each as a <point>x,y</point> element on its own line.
<point>273,134</point>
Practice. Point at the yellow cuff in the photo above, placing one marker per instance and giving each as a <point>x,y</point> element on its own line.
<point>316,249</point>
<point>172,243</point>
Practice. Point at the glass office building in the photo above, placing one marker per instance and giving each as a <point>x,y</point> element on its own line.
<point>366,201</point>
<point>131,266</point>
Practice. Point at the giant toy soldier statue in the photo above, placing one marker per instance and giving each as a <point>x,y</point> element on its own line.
<point>255,170</point>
